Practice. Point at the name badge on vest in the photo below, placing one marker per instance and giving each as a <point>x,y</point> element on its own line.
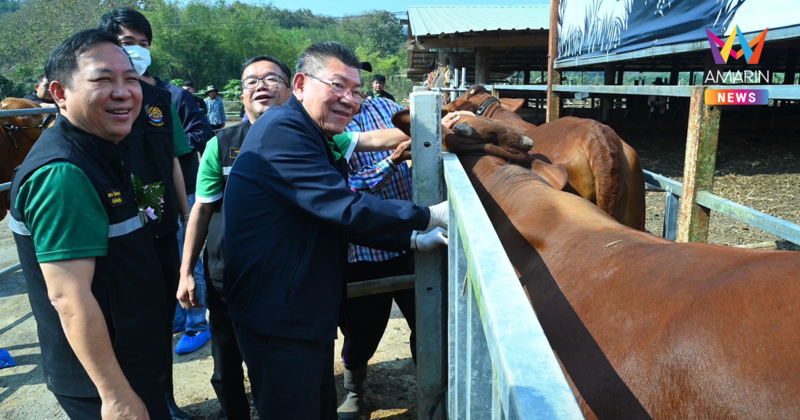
<point>156,116</point>
<point>114,197</point>
<point>234,152</point>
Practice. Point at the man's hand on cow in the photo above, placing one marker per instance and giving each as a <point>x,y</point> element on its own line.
<point>431,240</point>
<point>449,121</point>
<point>439,215</point>
<point>402,152</point>
<point>187,292</point>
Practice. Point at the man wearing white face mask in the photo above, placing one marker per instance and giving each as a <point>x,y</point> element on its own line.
<point>157,142</point>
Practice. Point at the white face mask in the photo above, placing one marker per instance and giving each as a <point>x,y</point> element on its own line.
<point>140,57</point>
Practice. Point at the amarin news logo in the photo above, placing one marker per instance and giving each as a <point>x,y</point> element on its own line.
<point>750,55</point>
<point>751,51</point>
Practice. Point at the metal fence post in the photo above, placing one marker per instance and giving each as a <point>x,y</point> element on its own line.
<point>671,206</point>
<point>457,324</point>
<point>698,170</point>
<point>479,365</point>
<point>430,267</point>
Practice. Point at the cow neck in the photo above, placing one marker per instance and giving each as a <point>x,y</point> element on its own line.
<point>483,108</point>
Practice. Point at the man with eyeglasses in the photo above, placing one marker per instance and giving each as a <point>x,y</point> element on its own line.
<point>265,84</point>
<point>288,217</point>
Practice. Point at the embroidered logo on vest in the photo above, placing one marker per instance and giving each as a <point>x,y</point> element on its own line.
<point>114,197</point>
<point>156,116</point>
<point>234,152</point>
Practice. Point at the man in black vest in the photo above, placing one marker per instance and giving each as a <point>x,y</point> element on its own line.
<point>88,262</point>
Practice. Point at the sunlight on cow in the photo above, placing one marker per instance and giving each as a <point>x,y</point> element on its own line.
<point>602,168</point>
<point>645,327</point>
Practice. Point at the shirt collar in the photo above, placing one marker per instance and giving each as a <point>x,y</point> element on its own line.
<point>108,149</point>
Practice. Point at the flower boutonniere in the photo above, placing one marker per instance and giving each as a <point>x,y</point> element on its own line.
<point>150,198</point>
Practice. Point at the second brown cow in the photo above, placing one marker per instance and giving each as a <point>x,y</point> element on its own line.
<point>602,168</point>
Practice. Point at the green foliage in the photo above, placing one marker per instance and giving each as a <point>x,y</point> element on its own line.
<point>205,41</point>
<point>232,90</point>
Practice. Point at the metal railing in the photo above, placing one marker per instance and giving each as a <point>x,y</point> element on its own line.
<point>674,190</point>
<point>501,364</point>
<point>7,186</point>
<point>6,271</point>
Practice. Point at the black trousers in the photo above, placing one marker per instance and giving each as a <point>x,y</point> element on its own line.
<point>290,379</point>
<point>168,256</point>
<point>228,377</point>
<point>78,408</point>
<point>365,318</point>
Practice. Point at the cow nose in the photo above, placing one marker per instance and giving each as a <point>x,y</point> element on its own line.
<point>527,141</point>
<point>465,130</point>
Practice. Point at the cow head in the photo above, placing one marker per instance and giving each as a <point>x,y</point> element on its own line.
<point>480,135</point>
<point>476,97</point>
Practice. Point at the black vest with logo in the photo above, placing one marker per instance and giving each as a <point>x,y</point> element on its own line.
<point>229,140</point>
<point>151,153</point>
<point>127,282</point>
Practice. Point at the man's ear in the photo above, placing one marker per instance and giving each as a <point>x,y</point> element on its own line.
<point>299,85</point>
<point>59,94</point>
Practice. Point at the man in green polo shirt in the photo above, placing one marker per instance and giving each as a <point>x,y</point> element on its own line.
<point>88,262</point>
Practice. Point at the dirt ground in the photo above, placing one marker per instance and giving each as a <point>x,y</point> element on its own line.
<point>24,396</point>
<point>758,171</point>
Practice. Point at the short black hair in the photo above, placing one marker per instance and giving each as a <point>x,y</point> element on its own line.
<point>62,63</point>
<point>315,57</point>
<point>379,77</point>
<point>188,83</point>
<point>114,20</point>
<point>284,68</point>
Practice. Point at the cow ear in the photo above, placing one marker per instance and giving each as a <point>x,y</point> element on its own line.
<point>555,175</point>
<point>402,120</point>
<point>512,104</point>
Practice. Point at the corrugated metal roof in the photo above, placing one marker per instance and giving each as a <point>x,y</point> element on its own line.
<point>436,20</point>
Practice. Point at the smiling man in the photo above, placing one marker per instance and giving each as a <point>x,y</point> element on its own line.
<point>265,84</point>
<point>88,262</point>
<point>288,216</point>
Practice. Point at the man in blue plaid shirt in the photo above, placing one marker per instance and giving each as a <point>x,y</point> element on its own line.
<point>386,175</point>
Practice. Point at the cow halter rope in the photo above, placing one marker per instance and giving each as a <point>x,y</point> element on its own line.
<point>10,128</point>
<point>483,107</point>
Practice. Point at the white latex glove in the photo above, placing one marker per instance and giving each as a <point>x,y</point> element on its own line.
<point>431,240</point>
<point>439,215</point>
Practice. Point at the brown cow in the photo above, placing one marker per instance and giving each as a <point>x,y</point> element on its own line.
<point>644,327</point>
<point>17,135</point>
<point>602,168</point>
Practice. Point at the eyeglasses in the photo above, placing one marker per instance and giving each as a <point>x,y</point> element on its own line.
<point>339,90</point>
<point>271,82</point>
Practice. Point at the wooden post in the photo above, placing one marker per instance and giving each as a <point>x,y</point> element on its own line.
<point>430,289</point>
<point>483,57</point>
<point>698,170</point>
<point>526,77</point>
<point>553,75</point>
<point>607,102</point>
<point>675,73</point>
